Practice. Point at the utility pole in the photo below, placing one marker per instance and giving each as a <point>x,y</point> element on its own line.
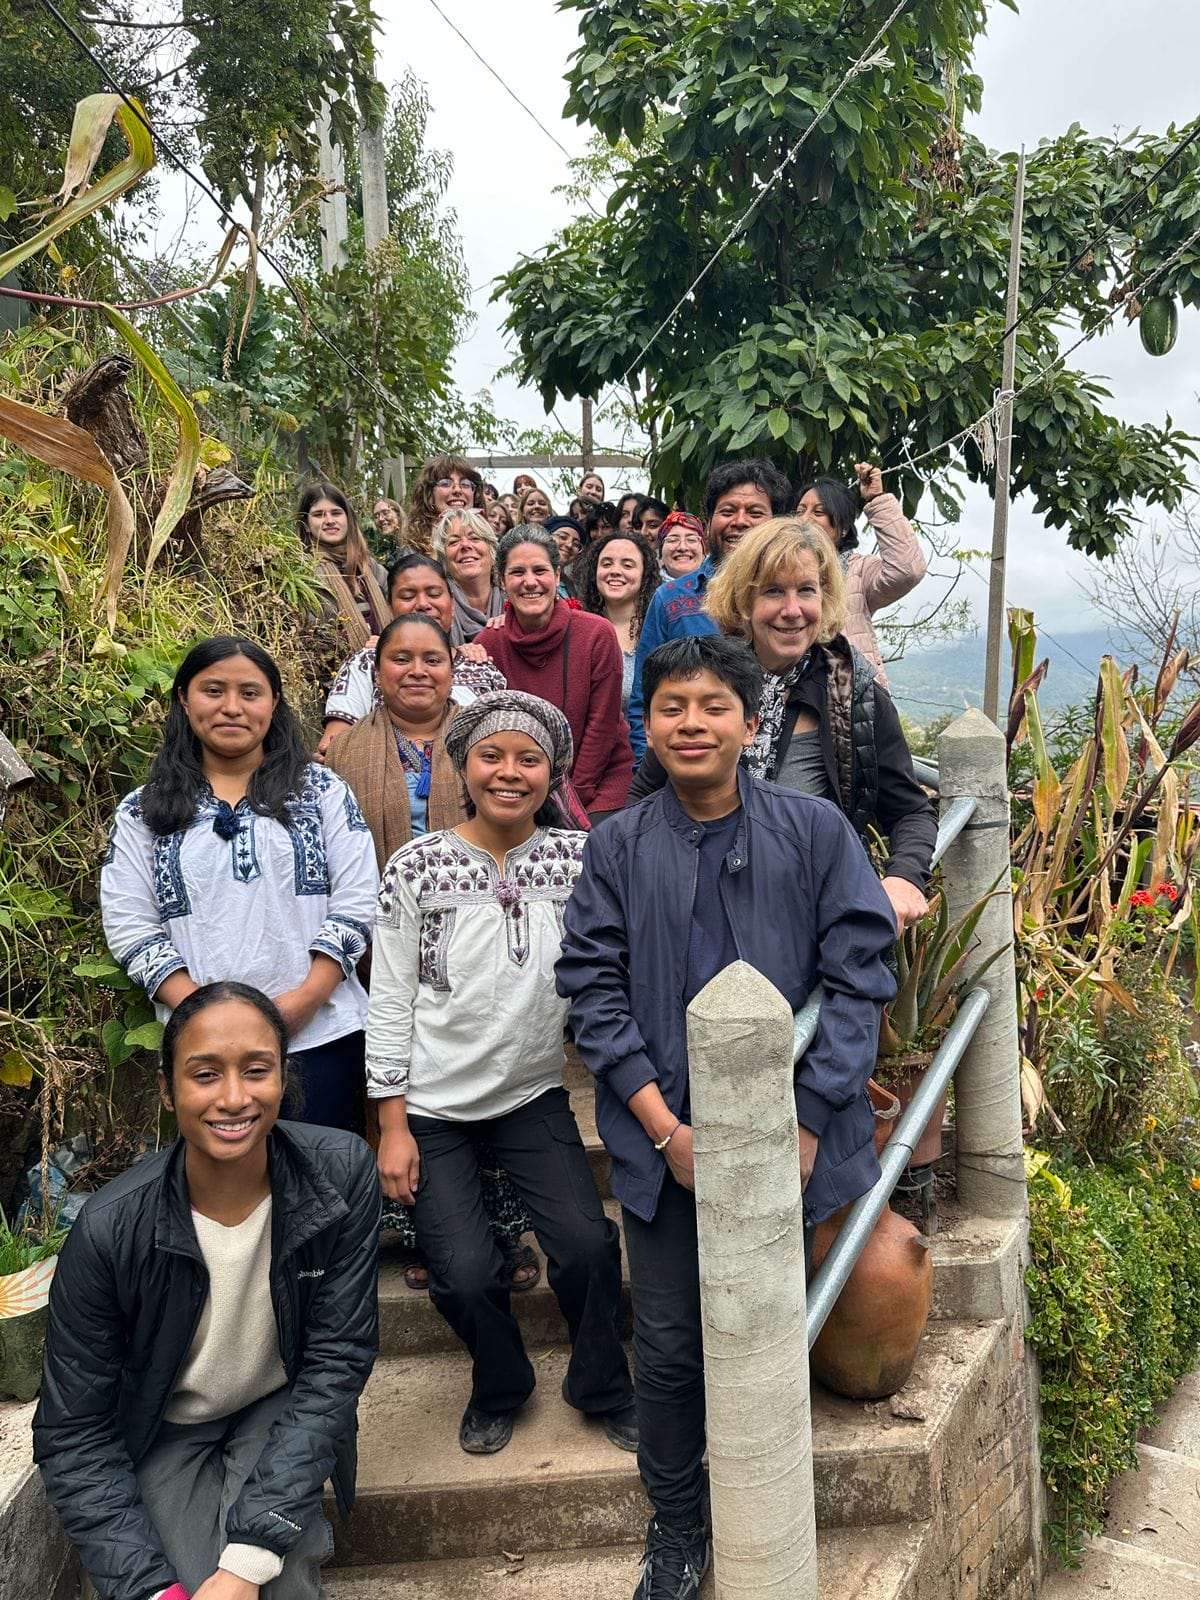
<point>335,225</point>
<point>374,186</point>
<point>995,622</point>
<point>587,449</point>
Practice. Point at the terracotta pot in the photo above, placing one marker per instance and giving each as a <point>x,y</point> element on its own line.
<point>904,1074</point>
<point>867,1347</point>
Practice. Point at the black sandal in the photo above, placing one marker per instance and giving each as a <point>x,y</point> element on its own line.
<point>519,1259</point>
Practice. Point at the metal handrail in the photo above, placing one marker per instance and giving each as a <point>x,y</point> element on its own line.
<point>837,1266</point>
<point>926,773</point>
<point>951,823</point>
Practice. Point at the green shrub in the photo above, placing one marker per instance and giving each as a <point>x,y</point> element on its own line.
<point>1114,1288</point>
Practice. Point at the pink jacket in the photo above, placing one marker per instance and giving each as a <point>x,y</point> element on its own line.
<point>875,581</point>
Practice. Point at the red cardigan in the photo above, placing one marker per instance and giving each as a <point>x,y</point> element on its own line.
<point>588,692</point>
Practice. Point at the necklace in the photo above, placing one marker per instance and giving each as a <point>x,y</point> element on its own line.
<point>419,758</point>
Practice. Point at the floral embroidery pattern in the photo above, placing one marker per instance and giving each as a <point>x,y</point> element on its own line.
<point>445,873</point>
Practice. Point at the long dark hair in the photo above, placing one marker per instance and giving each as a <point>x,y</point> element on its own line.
<point>589,590</point>
<point>840,507</point>
<point>214,994</point>
<point>356,555</point>
<point>173,787</point>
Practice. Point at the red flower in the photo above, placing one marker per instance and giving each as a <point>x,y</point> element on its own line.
<point>1039,993</point>
<point>1169,890</point>
<point>1141,897</point>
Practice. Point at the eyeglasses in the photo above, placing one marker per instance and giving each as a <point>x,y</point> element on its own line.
<point>454,483</point>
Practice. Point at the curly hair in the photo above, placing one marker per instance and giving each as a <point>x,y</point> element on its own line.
<point>584,573</point>
<point>760,558</point>
<point>423,511</point>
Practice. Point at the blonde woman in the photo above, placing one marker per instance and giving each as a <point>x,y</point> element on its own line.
<point>826,725</point>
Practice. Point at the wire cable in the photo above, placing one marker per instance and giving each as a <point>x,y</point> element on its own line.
<point>510,92</point>
<point>285,277</point>
<point>863,64</point>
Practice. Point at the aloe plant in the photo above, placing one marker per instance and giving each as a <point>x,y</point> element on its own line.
<point>932,958</point>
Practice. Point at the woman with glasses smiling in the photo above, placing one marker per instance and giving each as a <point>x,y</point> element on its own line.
<point>444,483</point>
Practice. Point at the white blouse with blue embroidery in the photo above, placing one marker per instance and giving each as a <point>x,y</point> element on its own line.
<point>237,895</point>
<point>464,1017</point>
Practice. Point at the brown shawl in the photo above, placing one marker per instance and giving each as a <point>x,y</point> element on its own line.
<point>369,761</point>
<point>358,631</point>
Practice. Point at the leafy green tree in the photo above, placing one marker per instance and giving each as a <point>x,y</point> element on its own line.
<point>858,313</point>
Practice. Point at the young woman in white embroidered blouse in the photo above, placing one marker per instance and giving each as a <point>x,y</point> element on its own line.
<point>464,1037</point>
<point>240,858</point>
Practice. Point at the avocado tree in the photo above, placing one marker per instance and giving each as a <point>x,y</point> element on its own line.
<point>857,312</point>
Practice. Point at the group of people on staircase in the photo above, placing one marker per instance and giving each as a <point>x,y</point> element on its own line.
<point>382,946</point>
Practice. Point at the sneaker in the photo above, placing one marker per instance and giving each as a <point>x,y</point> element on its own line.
<point>482,1433</point>
<point>675,1562</point>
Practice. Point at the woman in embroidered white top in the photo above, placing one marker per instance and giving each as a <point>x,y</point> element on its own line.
<point>240,858</point>
<point>464,1037</point>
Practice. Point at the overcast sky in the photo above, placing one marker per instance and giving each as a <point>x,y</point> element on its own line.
<point>1101,63</point>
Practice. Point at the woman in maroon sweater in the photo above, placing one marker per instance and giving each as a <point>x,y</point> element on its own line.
<point>568,657</point>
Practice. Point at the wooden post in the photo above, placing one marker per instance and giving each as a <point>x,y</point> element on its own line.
<point>995,623</point>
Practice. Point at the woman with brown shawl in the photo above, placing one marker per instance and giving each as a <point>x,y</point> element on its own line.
<point>395,762</point>
<point>355,583</point>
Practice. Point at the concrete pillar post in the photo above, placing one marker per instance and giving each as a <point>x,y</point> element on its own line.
<point>751,1238</point>
<point>335,225</point>
<point>372,161</point>
<point>987,1085</point>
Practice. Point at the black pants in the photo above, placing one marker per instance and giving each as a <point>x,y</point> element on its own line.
<point>539,1147</point>
<point>668,1355</point>
<point>327,1083</point>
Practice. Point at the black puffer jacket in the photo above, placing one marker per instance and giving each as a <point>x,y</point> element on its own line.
<point>867,763</point>
<point>127,1296</point>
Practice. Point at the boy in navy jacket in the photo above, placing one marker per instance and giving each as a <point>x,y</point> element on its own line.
<point>716,867</point>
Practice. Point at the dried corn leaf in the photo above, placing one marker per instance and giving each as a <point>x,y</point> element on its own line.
<point>187,460</point>
<point>93,118</point>
<point>60,444</point>
<point>1110,725</point>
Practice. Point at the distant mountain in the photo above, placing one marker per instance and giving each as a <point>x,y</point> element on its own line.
<point>928,683</point>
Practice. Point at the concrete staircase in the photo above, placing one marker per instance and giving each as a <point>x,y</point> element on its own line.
<point>560,1512</point>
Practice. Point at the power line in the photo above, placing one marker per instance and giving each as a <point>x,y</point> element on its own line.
<point>285,277</point>
<point>510,92</point>
<point>1031,310</point>
<point>1042,372</point>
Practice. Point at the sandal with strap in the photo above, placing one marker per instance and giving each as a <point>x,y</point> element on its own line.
<point>416,1275</point>
<point>522,1258</point>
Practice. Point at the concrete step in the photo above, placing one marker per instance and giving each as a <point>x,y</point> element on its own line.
<point>1157,1508</point>
<point>1116,1571</point>
<point>852,1564</point>
<point>559,1485</point>
<point>973,1261</point>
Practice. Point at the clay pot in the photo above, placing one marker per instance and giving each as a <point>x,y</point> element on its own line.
<point>904,1074</point>
<point>867,1347</point>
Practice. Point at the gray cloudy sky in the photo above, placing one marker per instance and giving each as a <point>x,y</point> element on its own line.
<point>1103,63</point>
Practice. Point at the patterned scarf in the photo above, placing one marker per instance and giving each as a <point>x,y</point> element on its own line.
<point>761,759</point>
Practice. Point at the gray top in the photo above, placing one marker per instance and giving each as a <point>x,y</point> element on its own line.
<point>803,765</point>
<point>628,657</point>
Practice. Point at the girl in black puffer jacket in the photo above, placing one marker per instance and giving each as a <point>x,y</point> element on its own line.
<point>213,1321</point>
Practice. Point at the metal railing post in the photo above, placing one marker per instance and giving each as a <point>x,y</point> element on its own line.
<point>987,1085</point>
<point>750,1227</point>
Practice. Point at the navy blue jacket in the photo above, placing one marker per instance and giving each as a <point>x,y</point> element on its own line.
<point>805,905</point>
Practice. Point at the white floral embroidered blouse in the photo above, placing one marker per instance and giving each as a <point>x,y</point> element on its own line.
<point>355,691</point>
<point>464,1019</point>
<point>237,895</point>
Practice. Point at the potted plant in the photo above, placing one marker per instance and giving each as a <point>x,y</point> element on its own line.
<point>28,1257</point>
<point>932,958</point>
